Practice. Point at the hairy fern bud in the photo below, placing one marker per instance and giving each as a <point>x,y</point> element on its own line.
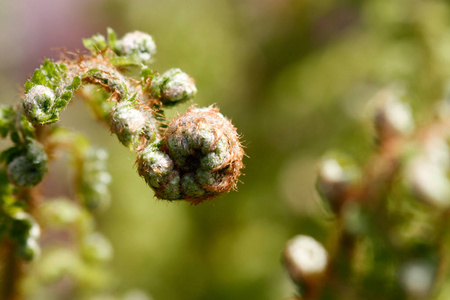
<point>172,87</point>
<point>137,44</point>
<point>199,158</point>
<point>128,123</point>
<point>38,104</point>
<point>29,168</point>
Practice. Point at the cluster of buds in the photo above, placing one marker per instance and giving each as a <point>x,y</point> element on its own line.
<point>367,215</point>
<point>197,157</point>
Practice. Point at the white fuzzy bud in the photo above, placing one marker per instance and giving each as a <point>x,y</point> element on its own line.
<point>429,182</point>
<point>138,43</point>
<point>38,104</point>
<point>128,123</point>
<point>392,116</point>
<point>306,259</point>
<point>417,278</point>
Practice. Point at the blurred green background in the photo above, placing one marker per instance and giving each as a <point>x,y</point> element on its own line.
<point>294,76</point>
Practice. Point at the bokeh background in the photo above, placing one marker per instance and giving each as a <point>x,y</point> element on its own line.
<point>295,76</point>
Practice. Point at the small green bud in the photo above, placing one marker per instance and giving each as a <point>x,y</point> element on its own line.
<point>96,43</point>
<point>38,105</point>
<point>96,248</point>
<point>128,123</point>
<point>190,187</point>
<point>171,189</point>
<point>137,44</point>
<point>154,165</point>
<point>306,261</point>
<point>28,169</point>
<point>206,178</point>
<point>216,156</point>
<point>173,87</point>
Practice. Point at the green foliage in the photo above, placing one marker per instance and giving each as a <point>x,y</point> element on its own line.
<point>96,43</point>
<point>49,74</point>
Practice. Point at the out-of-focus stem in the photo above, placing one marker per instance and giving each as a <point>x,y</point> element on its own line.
<point>11,272</point>
<point>444,262</point>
